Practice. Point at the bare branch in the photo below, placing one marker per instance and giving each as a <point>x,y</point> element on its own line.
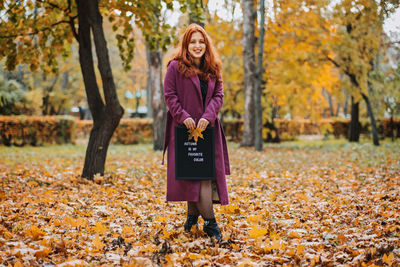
<point>52,5</point>
<point>73,28</point>
<point>332,61</point>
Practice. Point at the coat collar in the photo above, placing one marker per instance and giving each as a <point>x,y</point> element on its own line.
<point>211,83</point>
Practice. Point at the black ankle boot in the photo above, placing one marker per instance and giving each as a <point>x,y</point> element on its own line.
<point>190,221</point>
<point>211,228</point>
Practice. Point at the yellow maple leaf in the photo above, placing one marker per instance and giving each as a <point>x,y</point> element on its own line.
<point>81,222</point>
<point>254,218</point>
<point>388,259</point>
<point>294,234</point>
<point>35,232</point>
<point>97,244</point>
<point>127,231</point>
<point>43,253</point>
<point>70,221</point>
<point>196,133</point>
<point>194,256</point>
<point>5,233</point>
<point>99,228</point>
<point>277,244</point>
<point>257,232</point>
<point>300,249</point>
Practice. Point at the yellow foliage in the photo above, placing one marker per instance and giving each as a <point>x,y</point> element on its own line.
<point>97,244</point>
<point>254,219</point>
<point>388,259</point>
<point>256,232</point>
<point>34,232</point>
<point>99,228</point>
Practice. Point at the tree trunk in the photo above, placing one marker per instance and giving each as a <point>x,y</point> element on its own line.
<point>355,127</point>
<point>337,110</point>
<point>106,116</point>
<point>346,105</point>
<point>149,93</point>
<point>332,113</point>
<point>65,80</point>
<point>391,125</point>
<point>157,92</point>
<point>258,122</point>
<point>375,138</point>
<point>249,16</point>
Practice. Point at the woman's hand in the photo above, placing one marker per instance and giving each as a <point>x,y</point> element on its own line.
<point>189,123</point>
<point>202,124</point>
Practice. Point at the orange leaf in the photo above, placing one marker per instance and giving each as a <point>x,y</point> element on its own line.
<point>98,244</point>
<point>34,232</point>
<point>300,249</point>
<point>196,133</point>
<point>294,234</point>
<point>194,256</point>
<point>42,253</point>
<point>388,259</point>
<point>99,228</point>
<point>257,232</point>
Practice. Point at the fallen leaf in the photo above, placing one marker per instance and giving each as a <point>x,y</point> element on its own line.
<point>34,232</point>
<point>388,259</point>
<point>195,133</point>
<point>256,232</point>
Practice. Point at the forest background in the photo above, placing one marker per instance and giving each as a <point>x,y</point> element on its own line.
<point>326,68</point>
<point>318,58</point>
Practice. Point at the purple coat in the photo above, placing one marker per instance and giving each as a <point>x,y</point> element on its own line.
<point>183,99</point>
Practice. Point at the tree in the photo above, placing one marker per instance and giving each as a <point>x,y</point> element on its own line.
<point>258,121</point>
<point>227,38</point>
<point>157,97</point>
<point>297,76</point>
<point>46,29</point>
<point>249,16</point>
<point>359,22</point>
<point>196,12</point>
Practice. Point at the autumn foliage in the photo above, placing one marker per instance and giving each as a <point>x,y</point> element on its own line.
<point>41,130</point>
<point>128,132</point>
<point>36,130</point>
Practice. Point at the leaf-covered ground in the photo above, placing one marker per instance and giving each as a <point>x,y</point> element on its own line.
<point>293,204</point>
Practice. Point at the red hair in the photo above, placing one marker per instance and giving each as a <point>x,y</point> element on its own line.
<point>210,66</point>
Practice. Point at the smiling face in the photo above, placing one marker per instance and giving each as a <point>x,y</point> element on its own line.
<point>197,46</point>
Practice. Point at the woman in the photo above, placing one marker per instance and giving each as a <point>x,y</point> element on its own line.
<point>194,96</point>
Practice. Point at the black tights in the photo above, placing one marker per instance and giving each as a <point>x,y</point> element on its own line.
<point>204,206</point>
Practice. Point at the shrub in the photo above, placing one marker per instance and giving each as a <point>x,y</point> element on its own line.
<point>37,130</point>
<point>129,131</point>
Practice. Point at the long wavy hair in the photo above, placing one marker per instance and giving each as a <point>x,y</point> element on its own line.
<point>210,66</point>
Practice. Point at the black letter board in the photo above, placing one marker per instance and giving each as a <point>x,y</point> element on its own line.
<point>194,161</point>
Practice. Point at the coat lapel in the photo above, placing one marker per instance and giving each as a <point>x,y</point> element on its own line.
<point>196,82</point>
<point>210,90</point>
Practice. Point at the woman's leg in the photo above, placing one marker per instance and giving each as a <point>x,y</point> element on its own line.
<point>192,208</point>
<point>192,216</point>
<point>205,205</point>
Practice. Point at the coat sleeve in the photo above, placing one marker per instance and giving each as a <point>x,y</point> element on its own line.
<point>171,95</point>
<point>215,104</point>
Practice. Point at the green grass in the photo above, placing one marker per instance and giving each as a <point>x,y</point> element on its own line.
<point>330,144</point>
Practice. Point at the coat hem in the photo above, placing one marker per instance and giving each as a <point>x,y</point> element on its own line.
<point>222,203</point>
